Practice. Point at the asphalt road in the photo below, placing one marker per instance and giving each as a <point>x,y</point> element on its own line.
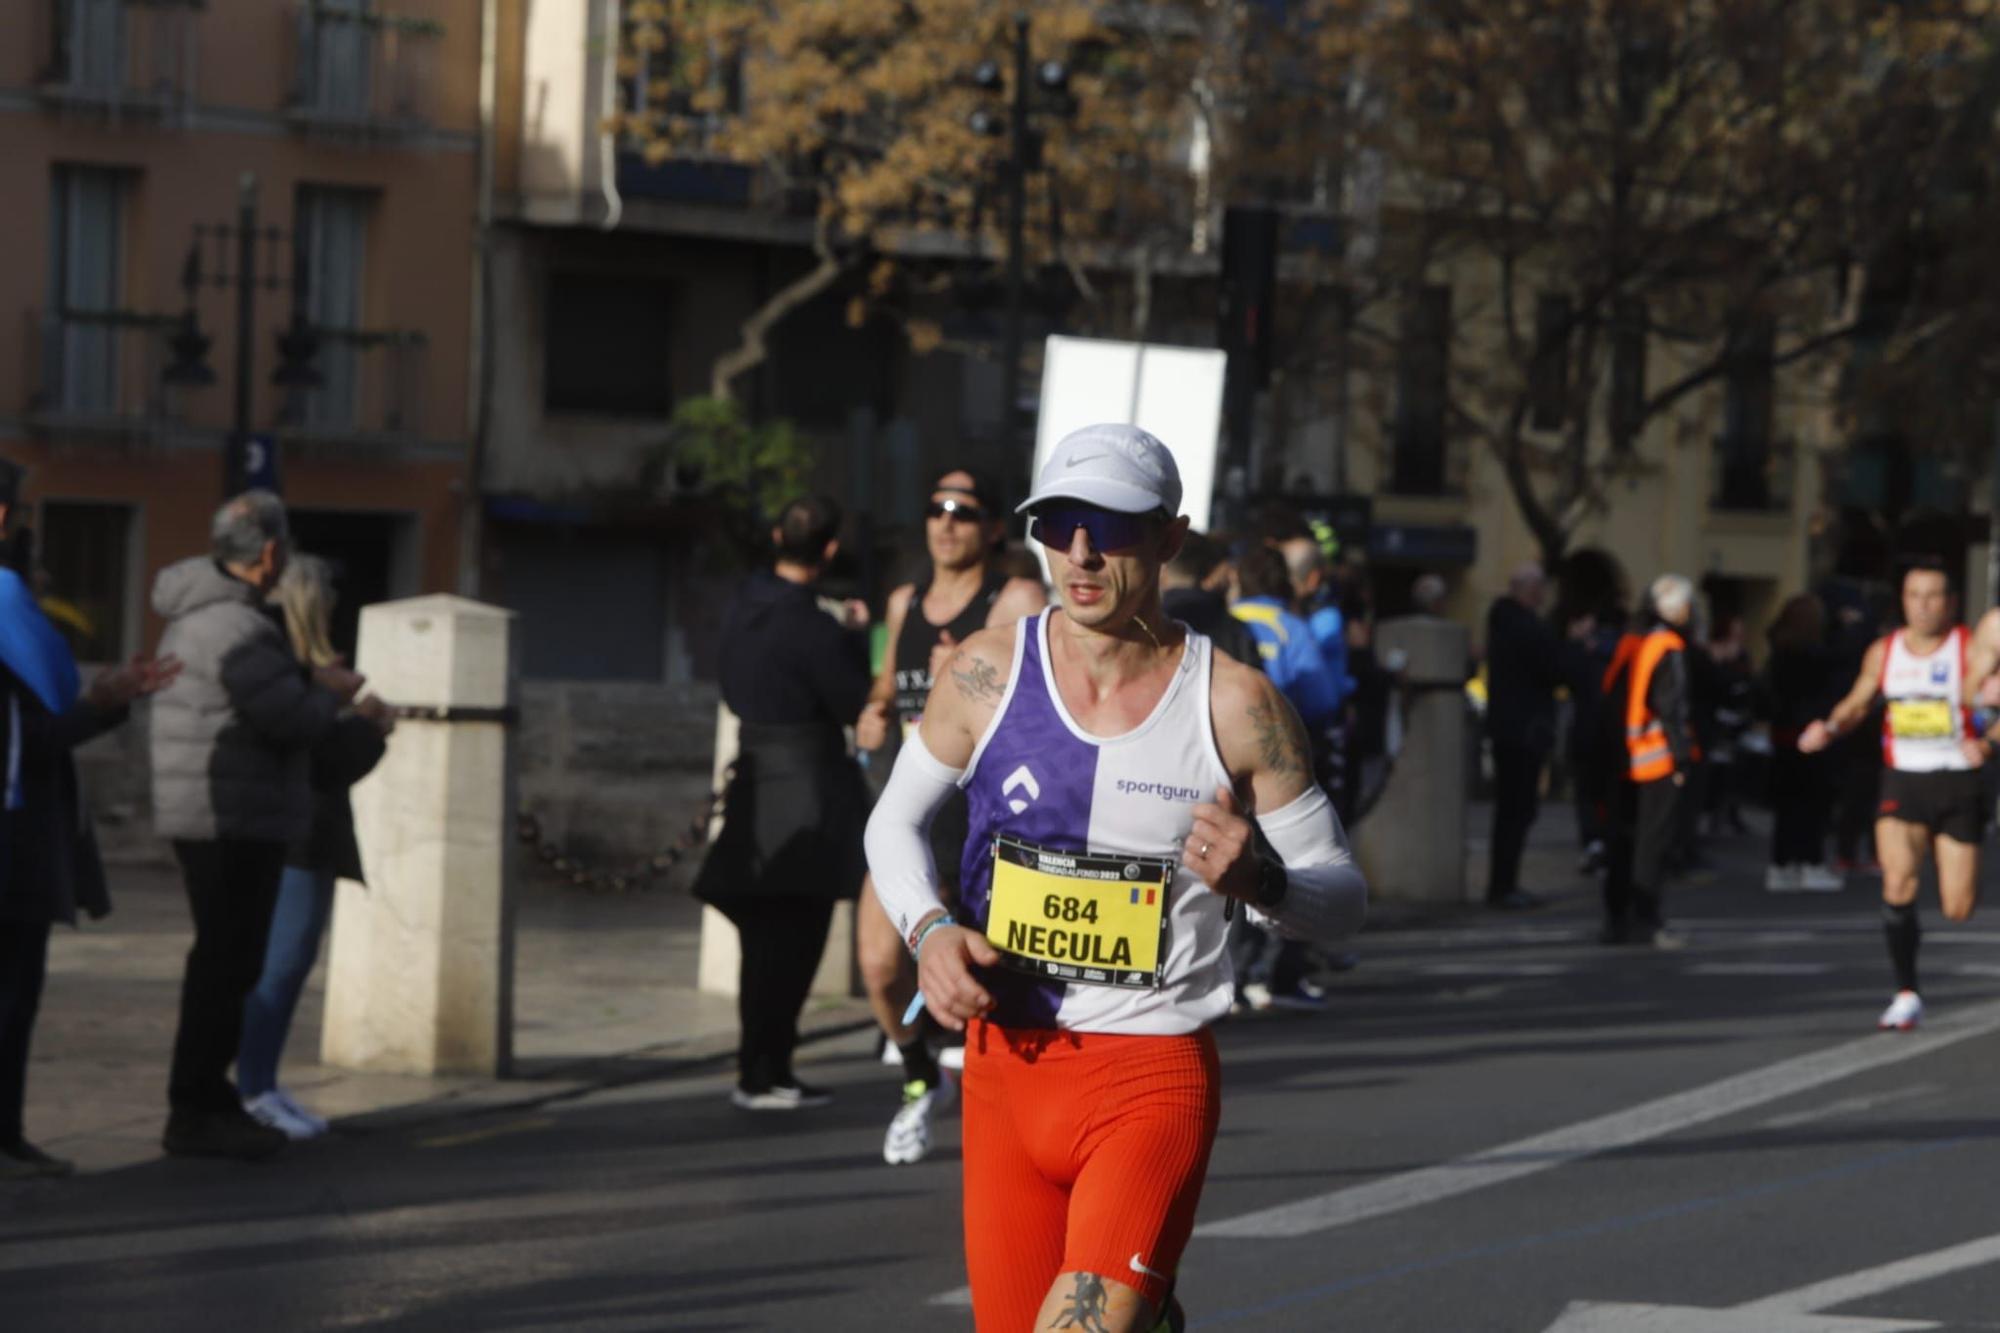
<point>1499,1125</point>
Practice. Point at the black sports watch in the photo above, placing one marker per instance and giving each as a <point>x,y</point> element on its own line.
<point>1272,882</point>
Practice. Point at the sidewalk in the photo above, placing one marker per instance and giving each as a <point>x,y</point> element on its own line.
<point>604,994</point>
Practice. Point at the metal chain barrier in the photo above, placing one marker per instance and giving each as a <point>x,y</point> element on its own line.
<point>637,877</point>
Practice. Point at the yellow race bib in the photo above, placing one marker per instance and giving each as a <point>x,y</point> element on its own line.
<point>1921,719</point>
<point>1072,916</point>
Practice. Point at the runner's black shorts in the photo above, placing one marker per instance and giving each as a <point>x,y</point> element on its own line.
<point>1951,802</point>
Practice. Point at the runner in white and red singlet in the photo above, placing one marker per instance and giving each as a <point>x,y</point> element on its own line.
<point>1933,800</point>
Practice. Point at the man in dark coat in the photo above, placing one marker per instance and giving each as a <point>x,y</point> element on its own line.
<point>1523,669</point>
<point>231,746</point>
<point>793,815</point>
<point>48,855</point>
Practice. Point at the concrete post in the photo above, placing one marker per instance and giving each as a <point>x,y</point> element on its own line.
<point>839,973</point>
<point>1412,845</point>
<point>420,975</point>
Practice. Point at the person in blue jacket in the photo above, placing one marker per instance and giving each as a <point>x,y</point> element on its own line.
<point>1272,971</point>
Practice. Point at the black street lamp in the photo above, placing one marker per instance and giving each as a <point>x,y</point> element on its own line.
<point>1046,90</point>
<point>297,345</point>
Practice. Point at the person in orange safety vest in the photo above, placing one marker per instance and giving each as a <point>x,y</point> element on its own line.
<point>1649,675</point>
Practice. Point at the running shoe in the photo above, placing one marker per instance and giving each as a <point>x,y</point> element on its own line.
<point>1903,1014</point>
<point>1784,879</point>
<point>268,1110</point>
<point>909,1137</point>
<point>953,1058</point>
<point>1819,879</point>
<point>892,1054</point>
<point>779,1097</point>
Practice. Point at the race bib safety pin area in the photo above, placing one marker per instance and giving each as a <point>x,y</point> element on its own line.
<point>1090,918</point>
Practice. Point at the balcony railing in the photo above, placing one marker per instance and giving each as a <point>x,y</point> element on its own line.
<point>371,386</point>
<point>356,71</point>
<point>97,370</point>
<point>1751,476</point>
<point>120,56</point>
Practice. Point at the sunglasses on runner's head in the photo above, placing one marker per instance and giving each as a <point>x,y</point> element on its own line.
<point>956,510</point>
<point>1109,530</point>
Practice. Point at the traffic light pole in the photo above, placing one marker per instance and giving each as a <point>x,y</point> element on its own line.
<point>234,451</point>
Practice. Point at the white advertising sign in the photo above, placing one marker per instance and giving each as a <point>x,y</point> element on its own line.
<point>1173,392</point>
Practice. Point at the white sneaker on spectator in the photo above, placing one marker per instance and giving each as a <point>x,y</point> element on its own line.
<point>892,1054</point>
<point>953,1058</point>
<point>1820,879</point>
<point>319,1123</point>
<point>1784,879</point>
<point>268,1111</point>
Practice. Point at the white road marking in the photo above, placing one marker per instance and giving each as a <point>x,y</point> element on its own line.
<point>1609,1133</point>
<point>1772,969</point>
<point>1874,1281</point>
<point>1850,1106</point>
<point>1791,1311</point>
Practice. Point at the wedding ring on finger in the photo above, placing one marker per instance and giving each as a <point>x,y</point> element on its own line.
<point>1204,849</point>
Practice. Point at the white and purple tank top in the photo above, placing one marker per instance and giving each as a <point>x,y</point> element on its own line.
<point>1040,777</point>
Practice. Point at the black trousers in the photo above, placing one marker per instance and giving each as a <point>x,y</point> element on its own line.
<point>232,886</point>
<point>1517,785</point>
<point>1647,826</point>
<point>1801,803</point>
<point>24,964</point>
<point>781,941</point>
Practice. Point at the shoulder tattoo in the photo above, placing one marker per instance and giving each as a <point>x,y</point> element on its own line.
<point>977,679</point>
<point>1281,742</point>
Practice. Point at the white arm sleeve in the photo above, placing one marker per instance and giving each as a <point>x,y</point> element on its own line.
<point>1325,898</point>
<point>898,841</point>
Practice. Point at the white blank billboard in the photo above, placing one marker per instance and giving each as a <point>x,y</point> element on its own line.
<point>1173,392</point>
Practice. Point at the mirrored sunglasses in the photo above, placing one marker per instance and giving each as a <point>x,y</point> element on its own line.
<point>1056,527</point>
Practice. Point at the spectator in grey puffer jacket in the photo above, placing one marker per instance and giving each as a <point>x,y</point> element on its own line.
<point>231,740</point>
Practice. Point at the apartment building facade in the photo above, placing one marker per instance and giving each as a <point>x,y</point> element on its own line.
<point>132,133</point>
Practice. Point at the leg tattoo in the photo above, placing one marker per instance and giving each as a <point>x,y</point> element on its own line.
<point>1085,1310</point>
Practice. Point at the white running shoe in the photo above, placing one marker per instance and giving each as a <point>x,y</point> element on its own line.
<point>267,1110</point>
<point>1820,879</point>
<point>320,1124</point>
<point>1903,1014</point>
<point>781,1097</point>
<point>892,1054</point>
<point>1784,879</point>
<point>909,1137</point>
<point>952,1058</point>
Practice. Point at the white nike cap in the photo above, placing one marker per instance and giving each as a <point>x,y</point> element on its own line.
<point>1113,467</point>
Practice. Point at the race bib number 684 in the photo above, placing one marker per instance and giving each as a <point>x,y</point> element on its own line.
<point>1097,920</point>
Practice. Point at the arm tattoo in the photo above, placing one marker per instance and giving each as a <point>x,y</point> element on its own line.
<point>977,679</point>
<point>1279,743</point>
<point>1085,1310</point>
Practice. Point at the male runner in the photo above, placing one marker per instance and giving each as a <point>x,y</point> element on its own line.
<point>965,593</point>
<point>1932,797</point>
<point>1112,764</point>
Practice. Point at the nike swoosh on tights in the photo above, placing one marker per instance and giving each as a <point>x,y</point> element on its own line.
<point>1139,1267</point>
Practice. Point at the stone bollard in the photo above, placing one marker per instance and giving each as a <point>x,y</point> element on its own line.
<point>839,975</point>
<point>420,973</point>
<point>1412,844</point>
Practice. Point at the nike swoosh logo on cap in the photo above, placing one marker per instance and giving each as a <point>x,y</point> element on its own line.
<point>1084,458</point>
